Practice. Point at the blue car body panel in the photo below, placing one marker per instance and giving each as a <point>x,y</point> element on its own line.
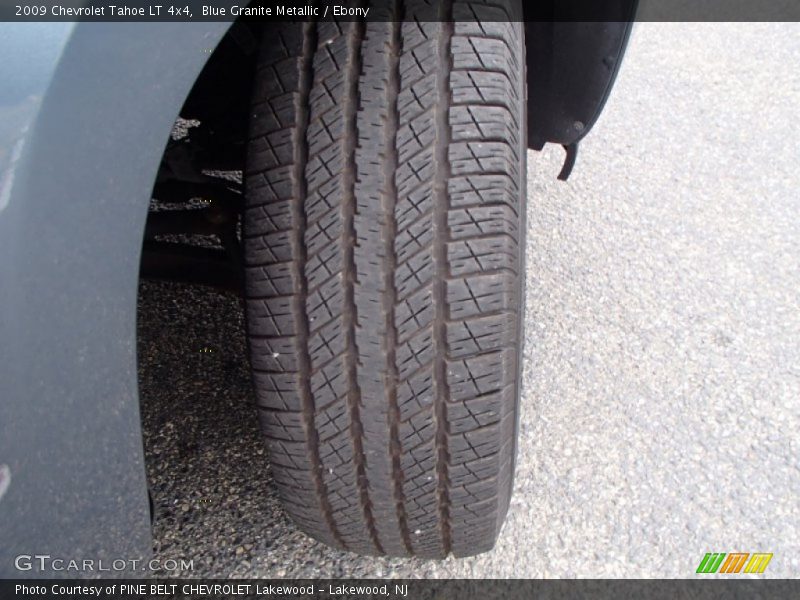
<point>85,112</point>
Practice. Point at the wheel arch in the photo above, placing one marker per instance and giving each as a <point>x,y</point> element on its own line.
<point>75,192</point>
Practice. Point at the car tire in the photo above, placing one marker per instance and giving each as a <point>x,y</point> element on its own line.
<point>383,240</point>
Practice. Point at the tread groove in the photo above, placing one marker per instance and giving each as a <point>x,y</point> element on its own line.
<point>442,392</point>
<point>390,297</point>
<point>298,197</point>
<point>350,314</point>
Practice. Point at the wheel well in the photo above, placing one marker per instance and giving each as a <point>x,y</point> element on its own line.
<point>220,99</point>
<point>192,231</point>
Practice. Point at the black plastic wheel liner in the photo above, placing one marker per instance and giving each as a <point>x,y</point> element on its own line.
<point>573,56</point>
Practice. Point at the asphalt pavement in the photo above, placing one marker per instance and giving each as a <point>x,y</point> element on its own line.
<point>661,399</point>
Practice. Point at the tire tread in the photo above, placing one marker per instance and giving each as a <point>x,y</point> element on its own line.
<point>383,246</point>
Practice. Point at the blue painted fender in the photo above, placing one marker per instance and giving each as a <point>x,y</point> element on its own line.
<point>85,112</point>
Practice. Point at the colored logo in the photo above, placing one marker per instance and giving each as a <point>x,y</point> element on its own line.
<point>736,562</point>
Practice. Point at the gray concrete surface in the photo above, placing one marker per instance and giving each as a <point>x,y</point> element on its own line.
<point>661,402</point>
